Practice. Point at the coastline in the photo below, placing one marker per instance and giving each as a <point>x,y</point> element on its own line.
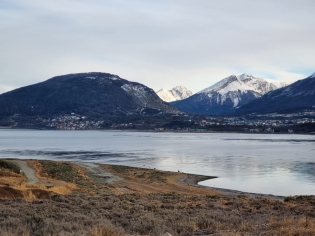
<point>119,173</point>
<point>156,131</point>
<point>100,199</point>
<point>194,180</point>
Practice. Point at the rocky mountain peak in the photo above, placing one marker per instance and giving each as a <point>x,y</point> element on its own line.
<point>296,97</point>
<point>175,94</point>
<point>228,84</point>
<point>226,95</point>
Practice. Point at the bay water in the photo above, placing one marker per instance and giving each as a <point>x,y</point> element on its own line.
<point>279,164</point>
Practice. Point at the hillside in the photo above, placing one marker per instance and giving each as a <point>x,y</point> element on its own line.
<point>175,94</point>
<point>226,95</point>
<point>88,94</point>
<point>296,97</point>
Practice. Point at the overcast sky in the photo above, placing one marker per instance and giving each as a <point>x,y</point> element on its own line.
<point>161,43</point>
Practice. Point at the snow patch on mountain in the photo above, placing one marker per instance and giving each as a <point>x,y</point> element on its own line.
<point>296,97</point>
<point>312,76</point>
<point>238,90</point>
<point>137,91</point>
<point>261,85</point>
<point>165,95</point>
<point>243,83</point>
<point>175,94</point>
<point>229,84</point>
<point>112,77</point>
<point>225,96</point>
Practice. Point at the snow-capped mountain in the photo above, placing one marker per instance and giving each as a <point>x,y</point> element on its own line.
<point>244,82</point>
<point>226,95</point>
<point>175,94</point>
<point>293,98</point>
<point>261,85</point>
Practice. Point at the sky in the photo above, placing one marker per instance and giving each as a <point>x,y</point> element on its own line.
<point>162,43</point>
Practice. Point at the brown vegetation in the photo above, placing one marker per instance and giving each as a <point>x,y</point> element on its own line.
<point>140,180</point>
<point>13,184</point>
<point>155,214</point>
<point>144,202</point>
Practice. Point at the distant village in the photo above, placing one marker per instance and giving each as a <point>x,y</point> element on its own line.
<point>267,123</point>
<point>74,122</point>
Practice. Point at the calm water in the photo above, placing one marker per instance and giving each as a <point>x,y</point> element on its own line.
<point>260,163</point>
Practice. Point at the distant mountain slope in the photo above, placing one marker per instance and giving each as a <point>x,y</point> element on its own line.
<point>175,94</point>
<point>261,85</point>
<point>295,97</point>
<point>90,94</point>
<point>226,95</point>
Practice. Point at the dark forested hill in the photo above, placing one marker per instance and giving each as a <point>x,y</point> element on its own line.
<point>90,94</point>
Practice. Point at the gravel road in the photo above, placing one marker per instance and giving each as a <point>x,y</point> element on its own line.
<point>28,171</point>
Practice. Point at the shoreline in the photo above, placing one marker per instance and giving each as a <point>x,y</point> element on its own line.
<point>194,180</point>
<point>156,131</point>
<point>185,179</point>
<point>90,199</point>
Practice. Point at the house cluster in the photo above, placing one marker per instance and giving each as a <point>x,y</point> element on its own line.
<point>73,122</point>
<point>269,122</point>
<point>254,124</point>
<point>122,125</point>
<point>197,123</point>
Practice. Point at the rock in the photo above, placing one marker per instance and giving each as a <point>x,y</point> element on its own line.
<point>167,234</point>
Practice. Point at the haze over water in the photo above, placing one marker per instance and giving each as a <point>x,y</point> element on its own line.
<point>260,163</point>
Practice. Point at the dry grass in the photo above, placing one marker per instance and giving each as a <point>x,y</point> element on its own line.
<point>10,174</point>
<point>139,180</point>
<point>155,214</point>
<point>6,165</point>
<point>13,185</point>
<point>145,202</point>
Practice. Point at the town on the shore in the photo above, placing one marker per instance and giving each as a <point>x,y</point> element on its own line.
<point>254,123</point>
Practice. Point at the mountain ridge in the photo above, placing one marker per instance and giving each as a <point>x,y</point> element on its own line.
<point>226,95</point>
<point>295,97</point>
<point>90,94</point>
<point>175,94</point>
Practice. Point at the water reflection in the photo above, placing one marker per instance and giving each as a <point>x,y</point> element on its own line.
<point>274,164</point>
<point>304,170</point>
<point>275,140</point>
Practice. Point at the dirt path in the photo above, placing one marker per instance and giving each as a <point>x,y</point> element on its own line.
<point>30,174</point>
<point>98,173</point>
<point>28,171</point>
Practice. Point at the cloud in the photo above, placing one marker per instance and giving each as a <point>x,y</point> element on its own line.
<point>160,44</point>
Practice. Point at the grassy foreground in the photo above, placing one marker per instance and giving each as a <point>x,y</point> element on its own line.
<point>74,199</point>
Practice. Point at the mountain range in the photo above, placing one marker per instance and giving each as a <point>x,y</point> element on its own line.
<point>175,94</point>
<point>90,94</point>
<point>110,97</point>
<point>225,96</point>
<point>296,97</point>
